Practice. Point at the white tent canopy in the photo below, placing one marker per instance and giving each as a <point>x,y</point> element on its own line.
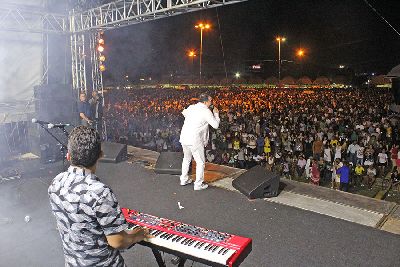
<point>395,72</point>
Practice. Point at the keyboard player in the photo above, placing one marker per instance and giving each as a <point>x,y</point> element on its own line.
<point>89,218</point>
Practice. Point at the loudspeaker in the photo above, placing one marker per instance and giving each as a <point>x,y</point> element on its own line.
<point>169,163</point>
<point>396,90</point>
<point>113,152</point>
<point>257,183</point>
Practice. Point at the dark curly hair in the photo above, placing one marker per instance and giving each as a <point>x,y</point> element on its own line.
<point>84,146</point>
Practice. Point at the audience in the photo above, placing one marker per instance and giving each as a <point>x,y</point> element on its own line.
<point>298,133</point>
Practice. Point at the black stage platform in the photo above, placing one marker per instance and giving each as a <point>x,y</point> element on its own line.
<point>282,235</point>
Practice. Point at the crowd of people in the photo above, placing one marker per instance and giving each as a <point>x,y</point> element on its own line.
<point>338,137</point>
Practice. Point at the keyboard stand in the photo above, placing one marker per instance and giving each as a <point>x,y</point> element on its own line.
<point>161,263</point>
<point>158,257</point>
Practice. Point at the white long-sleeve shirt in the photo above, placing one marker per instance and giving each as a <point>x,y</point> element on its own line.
<point>353,148</point>
<point>195,128</point>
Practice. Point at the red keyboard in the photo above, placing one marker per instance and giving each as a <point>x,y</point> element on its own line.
<point>191,242</point>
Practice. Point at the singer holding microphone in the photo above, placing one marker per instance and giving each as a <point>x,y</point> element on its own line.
<point>194,137</point>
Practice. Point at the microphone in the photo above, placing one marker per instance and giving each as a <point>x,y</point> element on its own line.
<point>39,121</point>
<point>58,125</point>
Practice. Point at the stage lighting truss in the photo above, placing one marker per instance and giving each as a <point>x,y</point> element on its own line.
<point>97,60</point>
<point>78,57</point>
<point>30,19</point>
<point>107,16</point>
<point>126,12</point>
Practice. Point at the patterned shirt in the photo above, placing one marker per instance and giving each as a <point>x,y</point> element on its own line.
<point>86,210</point>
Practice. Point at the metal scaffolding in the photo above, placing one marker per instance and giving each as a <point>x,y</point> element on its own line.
<point>31,19</point>
<point>45,59</point>
<point>97,75</point>
<point>115,14</point>
<point>78,57</point>
<point>126,12</point>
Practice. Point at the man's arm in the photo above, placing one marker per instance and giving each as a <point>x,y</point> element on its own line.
<point>213,118</point>
<point>83,117</point>
<point>125,239</point>
<point>113,223</point>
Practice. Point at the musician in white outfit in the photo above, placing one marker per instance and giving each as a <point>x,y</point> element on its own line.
<point>194,137</point>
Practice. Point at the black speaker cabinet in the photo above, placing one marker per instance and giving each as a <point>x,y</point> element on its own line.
<point>396,90</point>
<point>114,152</point>
<point>169,163</point>
<point>257,183</point>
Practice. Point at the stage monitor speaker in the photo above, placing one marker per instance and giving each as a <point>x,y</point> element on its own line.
<point>169,163</point>
<point>396,90</point>
<point>257,183</point>
<point>113,152</point>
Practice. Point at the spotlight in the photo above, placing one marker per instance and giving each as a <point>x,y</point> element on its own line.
<point>100,48</point>
<point>102,58</point>
<point>102,68</point>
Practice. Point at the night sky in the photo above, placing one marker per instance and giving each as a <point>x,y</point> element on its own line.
<point>332,32</point>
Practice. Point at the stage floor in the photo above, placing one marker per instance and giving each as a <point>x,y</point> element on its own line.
<point>282,235</point>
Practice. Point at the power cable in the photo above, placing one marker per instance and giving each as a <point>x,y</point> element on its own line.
<point>387,22</point>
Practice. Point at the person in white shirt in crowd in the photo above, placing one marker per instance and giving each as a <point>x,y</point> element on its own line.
<point>194,137</point>
<point>360,154</point>
<point>241,158</point>
<point>382,162</point>
<point>308,167</point>
<point>338,152</point>
<point>327,154</point>
<point>352,150</point>
<point>301,163</point>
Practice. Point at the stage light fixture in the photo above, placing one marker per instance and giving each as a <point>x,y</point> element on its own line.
<point>102,58</point>
<point>102,68</point>
<point>100,48</point>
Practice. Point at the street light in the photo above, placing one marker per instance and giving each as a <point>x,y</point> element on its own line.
<point>202,26</point>
<point>192,54</point>
<point>280,40</point>
<point>300,52</point>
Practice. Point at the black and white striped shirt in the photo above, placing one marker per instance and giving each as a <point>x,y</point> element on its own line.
<point>86,211</point>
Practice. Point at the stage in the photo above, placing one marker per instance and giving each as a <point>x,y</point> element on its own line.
<point>282,235</point>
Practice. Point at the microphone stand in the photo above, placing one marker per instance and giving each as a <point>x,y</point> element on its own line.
<point>63,147</point>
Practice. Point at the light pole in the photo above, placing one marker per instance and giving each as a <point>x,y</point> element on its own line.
<point>202,27</point>
<point>280,40</point>
<point>192,54</point>
<point>300,54</point>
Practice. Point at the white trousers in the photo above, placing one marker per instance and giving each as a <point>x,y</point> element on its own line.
<point>198,155</point>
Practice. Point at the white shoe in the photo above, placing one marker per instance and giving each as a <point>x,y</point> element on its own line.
<point>201,187</point>
<point>188,181</point>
